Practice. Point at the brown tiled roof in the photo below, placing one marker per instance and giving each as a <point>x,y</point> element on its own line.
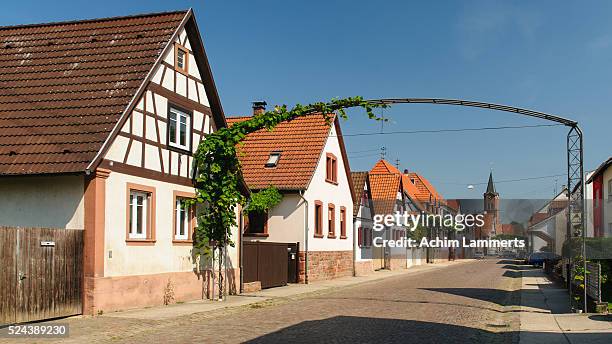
<point>600,169</point>
<point>64,86</point>
<point>359,180</point>
<point>454,204</point>
<point>537,218</point>
<point>507,228</point>
<point>300,142</point>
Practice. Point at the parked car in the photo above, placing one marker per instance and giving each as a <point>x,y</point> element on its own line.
<point>508,254</point>
<point>538,258</point>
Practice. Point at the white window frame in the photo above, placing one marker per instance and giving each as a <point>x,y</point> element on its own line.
<point>178,60</point>
<point>179,114</point>
<point>133,232</point>
<point>610,190</point>
<point>179,208</point>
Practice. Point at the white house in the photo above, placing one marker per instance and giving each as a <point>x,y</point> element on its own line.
<point>392,192</point>
<point>599,199</point>
<point>306,160</point>
<point>105,115</point>
<point>548,225</point>
<point>367,257</point>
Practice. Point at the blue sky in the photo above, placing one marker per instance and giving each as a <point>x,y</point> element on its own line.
<point>548,55</point>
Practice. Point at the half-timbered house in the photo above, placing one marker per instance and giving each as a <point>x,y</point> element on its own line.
<point>99,120</point>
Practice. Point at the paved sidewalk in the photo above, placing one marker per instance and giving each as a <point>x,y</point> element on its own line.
<point>545,315</point>
<point>288,292</point>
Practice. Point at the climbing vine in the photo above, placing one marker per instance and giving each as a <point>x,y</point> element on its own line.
<point>218,181</point>
<point>263,200</point>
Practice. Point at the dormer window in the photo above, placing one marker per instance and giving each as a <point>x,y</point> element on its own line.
<point>181,58</point>
<point>273,159</point>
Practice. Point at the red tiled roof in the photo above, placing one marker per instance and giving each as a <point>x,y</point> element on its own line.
<point>383,166</point>
<point>300,141</point>
<point>425,191</point>
<point>384,191</point>
<point>64,86</point>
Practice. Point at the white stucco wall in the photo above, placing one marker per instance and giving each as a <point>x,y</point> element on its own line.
<point>163,256</point>
<point>362,219</point>
<point>339,195</point>
<point>285,221</point>
<point>52,202</point>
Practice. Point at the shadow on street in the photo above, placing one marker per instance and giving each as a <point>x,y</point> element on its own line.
<point>347,329</point>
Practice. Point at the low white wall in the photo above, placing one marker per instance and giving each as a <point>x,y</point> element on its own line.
<point>52,202</point>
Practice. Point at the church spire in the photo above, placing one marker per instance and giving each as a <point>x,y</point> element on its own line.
<point>491,185</point>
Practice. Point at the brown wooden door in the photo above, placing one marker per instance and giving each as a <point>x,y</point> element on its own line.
<point>43,279</point>
<point>265,262</point>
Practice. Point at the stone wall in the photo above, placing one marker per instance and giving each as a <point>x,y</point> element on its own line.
<point>326,265</point>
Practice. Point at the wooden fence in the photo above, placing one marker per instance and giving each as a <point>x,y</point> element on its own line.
<point>41,273</point>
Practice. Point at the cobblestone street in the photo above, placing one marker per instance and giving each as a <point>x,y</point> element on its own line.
<point>469,302</point>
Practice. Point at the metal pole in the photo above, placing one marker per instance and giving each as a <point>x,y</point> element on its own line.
<point>583,217</point>
<point>305,239</point>
<point>568,236</point>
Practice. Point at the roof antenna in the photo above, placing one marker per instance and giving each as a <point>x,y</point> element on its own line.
<point>383,152</point>
<point>397,163</point>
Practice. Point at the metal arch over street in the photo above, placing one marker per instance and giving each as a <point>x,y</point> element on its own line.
<point>576,224</point>
<point>469,103</point>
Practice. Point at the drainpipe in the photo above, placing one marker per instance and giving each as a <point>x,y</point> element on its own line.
<point>305,238</point>
<point>355,246</point>
<point>240,230</point>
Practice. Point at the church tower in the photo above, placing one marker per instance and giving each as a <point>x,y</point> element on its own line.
<point>491,208</point>
<point>491,197</point>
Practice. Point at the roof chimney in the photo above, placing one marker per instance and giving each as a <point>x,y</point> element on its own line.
<point>405,171</point>
<point>259,107</point>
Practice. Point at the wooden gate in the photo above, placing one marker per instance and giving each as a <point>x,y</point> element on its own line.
<point>265,262</point>
<point>41,273</point>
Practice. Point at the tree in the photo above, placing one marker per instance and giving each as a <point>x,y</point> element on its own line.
<point>218,175</point>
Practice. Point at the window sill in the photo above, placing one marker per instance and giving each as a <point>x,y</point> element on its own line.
<point>179,150</point>
<point>181,70</point>
<point>343,237</point>
<point>319,236</point>
<point>182,242</point>
<point>140,242</point>
<point>257,235</point>
<point>331,181</point>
